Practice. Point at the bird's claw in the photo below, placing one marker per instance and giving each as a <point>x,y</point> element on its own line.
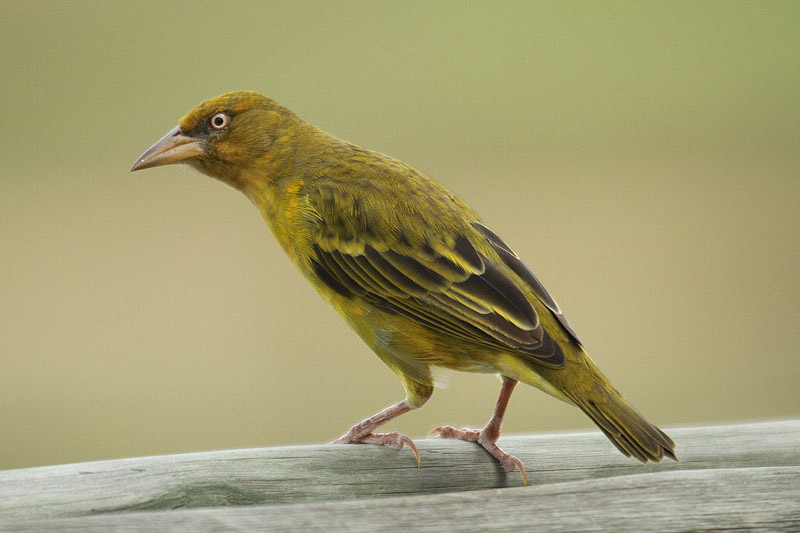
<point>508,461</point>
<point>394,439</point>
<point>449,432</point>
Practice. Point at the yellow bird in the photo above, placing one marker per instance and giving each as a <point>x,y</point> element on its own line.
<point>410,267</point>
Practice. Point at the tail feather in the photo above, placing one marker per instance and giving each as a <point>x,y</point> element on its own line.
<point>628,430</point>
<point>581,383</point>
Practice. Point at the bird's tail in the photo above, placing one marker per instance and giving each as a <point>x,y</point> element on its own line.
<point>582,384</point>
<point>624,426</point>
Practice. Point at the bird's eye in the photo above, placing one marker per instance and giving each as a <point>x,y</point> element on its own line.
<point>219,121</point>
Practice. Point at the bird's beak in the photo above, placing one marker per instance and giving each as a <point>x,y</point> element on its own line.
<point>173,147</point>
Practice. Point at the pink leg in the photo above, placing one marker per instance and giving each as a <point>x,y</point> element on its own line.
<point>362,432</point>
<point>488,435</point>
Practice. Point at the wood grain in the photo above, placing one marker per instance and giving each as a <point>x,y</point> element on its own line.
<point>736,476</point>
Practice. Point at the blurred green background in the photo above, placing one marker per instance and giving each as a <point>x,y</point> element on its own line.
<point>642,157</point>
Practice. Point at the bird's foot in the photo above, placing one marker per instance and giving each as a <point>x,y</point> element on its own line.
<point>394,439</point>
<point>485,439</point>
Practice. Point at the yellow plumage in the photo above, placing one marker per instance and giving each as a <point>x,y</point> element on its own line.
<point>411,268</point>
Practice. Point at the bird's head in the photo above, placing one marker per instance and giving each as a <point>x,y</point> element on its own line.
<point>237,138</point>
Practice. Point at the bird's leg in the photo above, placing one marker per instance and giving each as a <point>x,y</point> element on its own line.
<point>362,432</point>
<point>488,435</point>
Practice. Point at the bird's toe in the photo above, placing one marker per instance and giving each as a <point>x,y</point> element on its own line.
<point>450,432</point>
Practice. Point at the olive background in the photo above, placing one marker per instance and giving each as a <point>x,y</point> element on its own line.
<point>642,157</point>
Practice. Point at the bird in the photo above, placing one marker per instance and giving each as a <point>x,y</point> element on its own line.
<point>418,275</point>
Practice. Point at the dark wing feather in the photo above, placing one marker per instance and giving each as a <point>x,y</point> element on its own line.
<point>472,300</point>
<point>513,262</point>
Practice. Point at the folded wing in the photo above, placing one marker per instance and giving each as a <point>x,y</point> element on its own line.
<point>451,288</point>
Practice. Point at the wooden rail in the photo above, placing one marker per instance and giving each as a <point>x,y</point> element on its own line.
<point>744,476</point>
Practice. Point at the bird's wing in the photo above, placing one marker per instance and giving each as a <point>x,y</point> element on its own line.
<point>445,283</point>
<point>512,260</point>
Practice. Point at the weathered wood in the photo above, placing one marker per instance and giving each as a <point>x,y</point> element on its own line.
<point>758,458</point>
<point>745,499</point>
